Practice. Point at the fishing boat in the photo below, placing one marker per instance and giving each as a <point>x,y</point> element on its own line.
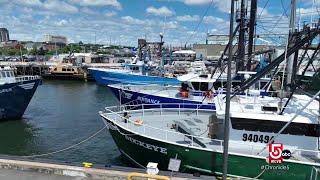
<point>194,89</point>
<point>131,74</point>
<point>64,71</point>
<point>15,93</point>
<point>157,133</point>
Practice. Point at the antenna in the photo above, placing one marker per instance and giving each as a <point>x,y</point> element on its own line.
<point>164,25</point>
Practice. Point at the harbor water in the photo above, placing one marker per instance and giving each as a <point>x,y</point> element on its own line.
<point>60,114</point>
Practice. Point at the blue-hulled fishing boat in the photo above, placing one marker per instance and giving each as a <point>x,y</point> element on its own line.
<point>15,93</point>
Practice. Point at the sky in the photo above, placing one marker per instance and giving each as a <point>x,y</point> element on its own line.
<point>124,21</point>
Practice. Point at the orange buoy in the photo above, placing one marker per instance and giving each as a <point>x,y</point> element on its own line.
<point>138,122</point>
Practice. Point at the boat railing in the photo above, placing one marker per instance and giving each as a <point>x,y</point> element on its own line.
<point>162,106</point>
<point>172,136</point>
<point>197,141</point>
<point>26,78</point>
<point>148,130</point>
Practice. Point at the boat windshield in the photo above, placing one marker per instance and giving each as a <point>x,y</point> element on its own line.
<point>200,86</point>
<point>6,74</point>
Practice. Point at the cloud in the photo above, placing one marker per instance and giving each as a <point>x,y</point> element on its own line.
<point>50,5</point>
<point>59,6</point>
<point>135,21</point>
<point>162,11</point>
<point>307,12</point>
<point>131,20</point>
<point>171,25</point>
<point>222,5</point>
<point>110,14</point>
<point>188,18</point>
<point>62,22</point>
<point>88,11</point>
<point>213,20</point>
<point>29,2</point>
<point>197,2</point>
<point>262,12</point>
<point>114,3</point>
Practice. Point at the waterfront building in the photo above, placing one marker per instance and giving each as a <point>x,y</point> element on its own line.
<point>55,39</point>
<point>4,35</point>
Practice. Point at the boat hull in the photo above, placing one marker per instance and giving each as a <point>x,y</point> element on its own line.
<point>108,77</point>
<point>134,98</point>
<point>141,150</point>
<point>15,97</point>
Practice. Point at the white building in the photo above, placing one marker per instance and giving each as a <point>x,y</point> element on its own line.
<point>55,39</point>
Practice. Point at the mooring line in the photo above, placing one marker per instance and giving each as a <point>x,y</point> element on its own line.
<point>69,147</point>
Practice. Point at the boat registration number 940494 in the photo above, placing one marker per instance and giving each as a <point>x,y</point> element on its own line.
<point>256,138</point>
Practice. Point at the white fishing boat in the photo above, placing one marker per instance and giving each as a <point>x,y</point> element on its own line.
<point>195,136</point>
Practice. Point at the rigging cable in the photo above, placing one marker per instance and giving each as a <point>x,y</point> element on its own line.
<point>263,9</point>
<point>196,28</point>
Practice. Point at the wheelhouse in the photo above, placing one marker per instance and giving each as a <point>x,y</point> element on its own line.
<point>7,75</point>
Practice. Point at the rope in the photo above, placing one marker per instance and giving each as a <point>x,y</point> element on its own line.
<point>283,8</point>
<point>259,175</point>
<point>196,28</point>
<point>263,9</point>
<point>69,147</point>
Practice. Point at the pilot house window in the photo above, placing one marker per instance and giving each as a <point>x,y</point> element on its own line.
<point>269,126</point>
<point>204,86</point>
<point>200,86</point>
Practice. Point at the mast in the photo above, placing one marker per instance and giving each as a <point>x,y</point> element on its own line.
<point>241,43</point>
<point>161,52</point>
<point>227,114</point>
<point>290,61</point>
<point>252,24</point>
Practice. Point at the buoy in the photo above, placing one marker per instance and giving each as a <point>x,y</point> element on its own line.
<point>138,122</point>
<point>87,164</point>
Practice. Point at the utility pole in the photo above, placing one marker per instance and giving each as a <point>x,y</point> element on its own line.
<point>21,59</point>
<point>55,46</point>
<point>227,114</point>
<point>252,23</point>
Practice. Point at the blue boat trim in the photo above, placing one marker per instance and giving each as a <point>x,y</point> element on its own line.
<point>104,77</point>
<point>135,98</point>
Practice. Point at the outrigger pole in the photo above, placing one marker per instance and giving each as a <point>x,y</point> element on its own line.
<point>227,116</point>
<point>299,39</point>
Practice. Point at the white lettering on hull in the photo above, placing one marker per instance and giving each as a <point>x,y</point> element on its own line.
<point>148,100</point>
<point>127,95</point>
<point>137,142</point>
<point>5,90</point>
<point>146,145</point>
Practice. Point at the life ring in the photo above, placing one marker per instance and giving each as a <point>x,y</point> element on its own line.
<point>138,122</point>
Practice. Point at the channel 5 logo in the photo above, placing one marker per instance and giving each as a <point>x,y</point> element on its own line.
<point>277,154</point>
